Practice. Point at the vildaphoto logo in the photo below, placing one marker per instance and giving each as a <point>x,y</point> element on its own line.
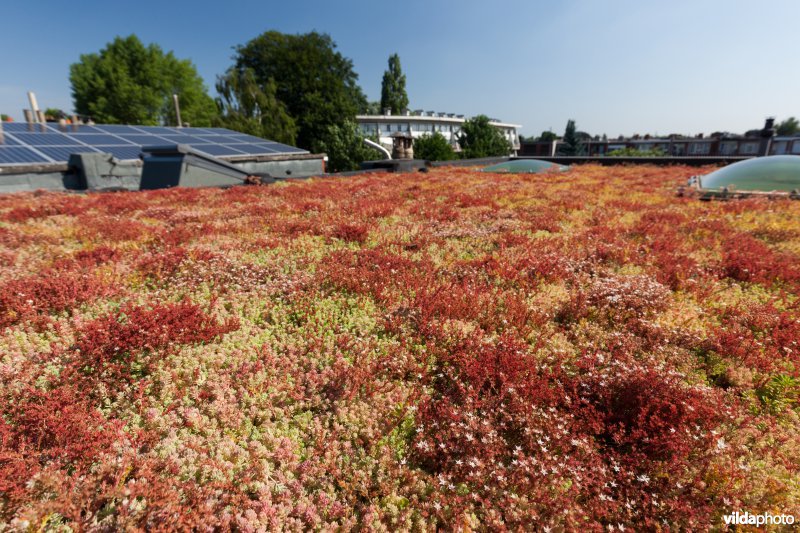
<point>764,519</point>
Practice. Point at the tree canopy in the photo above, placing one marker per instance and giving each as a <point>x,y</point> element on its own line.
<point>345,147</point>
<point>547,136</point>
<point>247,107</point>
<point>393,87</point>
<point>572,141</point>
<point>790,126</point>
<point>316,83</point>
<point>433,147</point>
<point>478,138</point>
<point>130,83</point>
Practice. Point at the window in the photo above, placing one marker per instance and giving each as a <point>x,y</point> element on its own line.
<point>728,148</point>
<point>796,146</point>
<point>748,148</point>
<point>779,147</point>
<point>699,148</point>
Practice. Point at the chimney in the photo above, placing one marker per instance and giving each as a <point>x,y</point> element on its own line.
<point>387,111</point>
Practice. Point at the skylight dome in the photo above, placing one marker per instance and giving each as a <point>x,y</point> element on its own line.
<point>526,166</point>
<point>777,173</point>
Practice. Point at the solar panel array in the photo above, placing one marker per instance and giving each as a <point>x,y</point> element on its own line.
<point>24,143</point>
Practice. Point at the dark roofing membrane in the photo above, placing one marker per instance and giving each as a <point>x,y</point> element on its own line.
<point>761,174</point>
<point>525,166</point>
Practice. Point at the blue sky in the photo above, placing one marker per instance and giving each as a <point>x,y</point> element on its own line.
<point>616,67</point>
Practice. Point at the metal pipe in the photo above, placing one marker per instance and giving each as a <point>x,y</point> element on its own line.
<point>377,146</point>
<point>34,106</point>
<point>177,110</point>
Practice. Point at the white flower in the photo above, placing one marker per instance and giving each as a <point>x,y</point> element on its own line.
<point>643,478</point>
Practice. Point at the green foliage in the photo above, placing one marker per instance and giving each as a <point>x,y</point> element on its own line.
<point>130,83</point>
<point>633,152</point>
<point>393,87</point>
<point>547,136</point>
<point>478,138</point>
<point>433,147</point>
<point>4,117</point>
<point>247,107</point>
<point>345,147</point>
<point>54,114</point>
<point>572,142</point>
<point>790,126</point>
<point>779,393</point>
<point>315,82</point>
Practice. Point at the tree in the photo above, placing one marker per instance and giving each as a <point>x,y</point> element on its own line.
<point>245,106</point>
<point>315,82</point>
<point>393,87</point>
<point>478,138</point>
<point>53,114</point>
<point>345,147</point>
<point>547,136</point>
<point>634,152</point>
<point>433,148</point>
<point>790,126</point>
<point>130,83</point>
<point>572,142</point>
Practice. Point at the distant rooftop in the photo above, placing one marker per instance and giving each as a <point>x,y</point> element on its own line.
<point>427,116</point>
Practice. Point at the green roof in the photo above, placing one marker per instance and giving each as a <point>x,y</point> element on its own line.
<point>525,165</point>
<point>761,174</point>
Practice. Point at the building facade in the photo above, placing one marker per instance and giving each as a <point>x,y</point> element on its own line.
<point>692,147</point>
<point>419,123</point>
<point>753,143</point>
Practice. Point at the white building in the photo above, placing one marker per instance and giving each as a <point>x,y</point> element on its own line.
<point>419,123</point>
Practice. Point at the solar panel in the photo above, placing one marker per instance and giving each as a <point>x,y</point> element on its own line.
<point>122,152</point>
<point>142,139</point>
<point>19,127</point>
<point>114,128</point>
<point>6,140</point>
<point>24,143</point>
<point>216,149</point>
<point>182,139</point>
<point>94,139</point>
<point>251,148</point>
<point>62,153</point>
<point>74,128</point>
<point>46,139</point>
<point>18,155</point>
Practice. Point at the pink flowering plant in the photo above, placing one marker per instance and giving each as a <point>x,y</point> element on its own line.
<point>455,350</point>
